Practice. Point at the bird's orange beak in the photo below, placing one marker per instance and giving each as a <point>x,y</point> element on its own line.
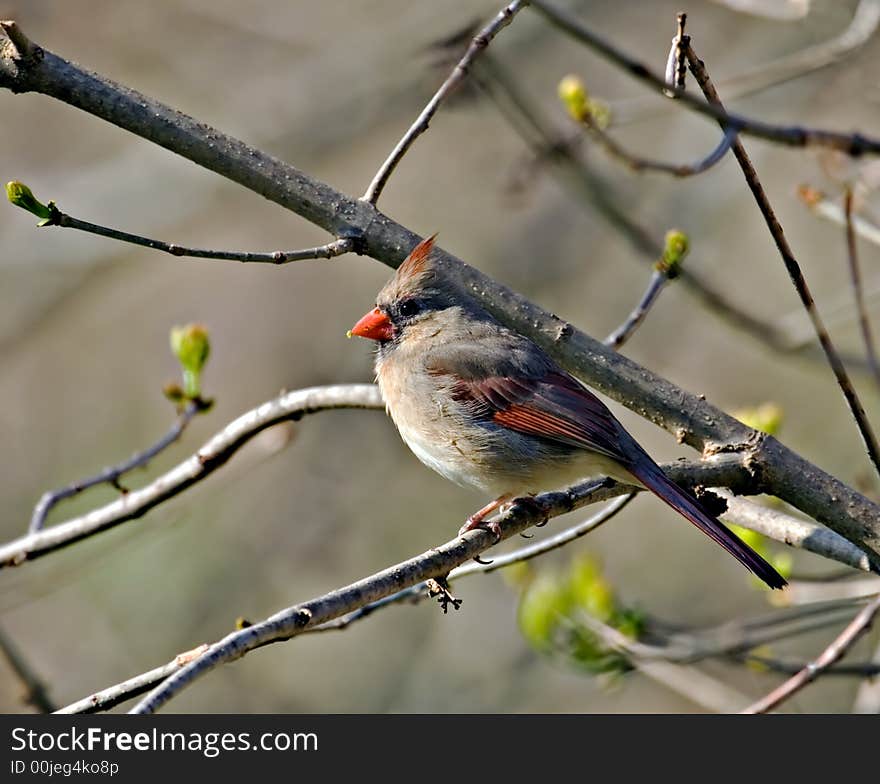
<point>375,325</point>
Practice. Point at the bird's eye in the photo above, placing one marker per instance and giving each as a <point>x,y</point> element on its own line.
<point>408,308</point>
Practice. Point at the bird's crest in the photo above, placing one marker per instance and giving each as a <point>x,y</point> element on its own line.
<point>415,263</point>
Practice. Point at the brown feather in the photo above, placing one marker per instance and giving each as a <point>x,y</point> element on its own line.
<point>414,264</point>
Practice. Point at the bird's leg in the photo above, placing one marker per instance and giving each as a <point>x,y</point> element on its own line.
<point>529,502</point>
<point>478,519</point>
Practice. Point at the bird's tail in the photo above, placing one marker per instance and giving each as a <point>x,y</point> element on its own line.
<point>652,477</point>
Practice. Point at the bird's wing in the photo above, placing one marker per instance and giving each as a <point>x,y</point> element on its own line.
<point>551,405</point>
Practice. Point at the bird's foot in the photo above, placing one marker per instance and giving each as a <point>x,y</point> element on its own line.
<point>529,503</point>
<point>478,519</point>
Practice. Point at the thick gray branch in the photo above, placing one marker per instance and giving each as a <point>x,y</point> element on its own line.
<point>25,67</point>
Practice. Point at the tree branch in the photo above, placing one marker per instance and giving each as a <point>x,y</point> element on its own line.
<point>825,208</point>
<point>692,419</point>
<point>852,254</point>
<point>837,649</point>
<point>640,164</point>
<point>329,251</point>
<point>112,696</point>
<point>793,268</point>
<point>560,153</point>
<point>34,690</point>
<point>729,638</point>
<point>213,454</point>
<point>796,136</point>
<point>479,44</point>
<point>112,474</point>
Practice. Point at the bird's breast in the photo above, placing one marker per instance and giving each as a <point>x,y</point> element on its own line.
<point>471,450</point>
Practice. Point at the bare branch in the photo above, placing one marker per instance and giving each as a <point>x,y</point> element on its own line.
<point>560,153</point>
<point>794,270</point>
<point>795,136</point>
<point>692,419</point>
<point>862,27</point>
<point>825,208</point>
<point>547,545</point>
<point>213,454</point>
<point>855,275</point>
<point>112,696</point>
<point>835,651</point>
<point>730,638</point>
<point>784,528</point>
<point>479,44</point>
<point>113,474</point>
<point>858,669</point>
<point>867,698</point>
<point>329,251</point>
<point>812,58</point>
<point>639,164</point>
<point>666,268</point>
<point>807,592</point>
<point>34,690</point>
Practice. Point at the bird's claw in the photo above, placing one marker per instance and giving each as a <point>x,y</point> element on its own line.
<point>530,503</point>
<point>491,526</point>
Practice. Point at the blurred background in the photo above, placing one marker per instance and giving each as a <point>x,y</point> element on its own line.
<point>330,87</point>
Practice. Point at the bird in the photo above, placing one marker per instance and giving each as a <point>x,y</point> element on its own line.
<point>485,406</point>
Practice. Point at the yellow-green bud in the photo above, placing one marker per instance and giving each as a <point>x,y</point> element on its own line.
<point>191,345</point>
<point>675,247</point>
<point>542,604</point>
<point>590,590</point>
<point>766,417</point>
<point>21,196</point>
<point>574,96</point>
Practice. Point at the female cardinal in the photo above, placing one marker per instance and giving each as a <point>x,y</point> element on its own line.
<point>485,406</point>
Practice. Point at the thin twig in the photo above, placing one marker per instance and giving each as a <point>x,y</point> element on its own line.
<point>765,75</point>
<point>418,592</point>
<point>807,593</point>
<point>435,563</point>
<point>798,332</point>
<point>825,208</point>
<point>478,45</point>
<point>527,552</point>
<point>639,164</point>
<point>560,152</point>
<point>112,696</point>
<point>796,136</point>
<point>858,669</point>
<point>794,271</point>
<point>836,650</point>
<point>213,454</point>
<point>112,474</point>
<point>35,692</point>
<point>867,699</point>
<point>730,638</point>
<point>692,419</point>
<point>770,523</point>
<point>856,279</point>
<point>659,278</point>
<point>329,251</point>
